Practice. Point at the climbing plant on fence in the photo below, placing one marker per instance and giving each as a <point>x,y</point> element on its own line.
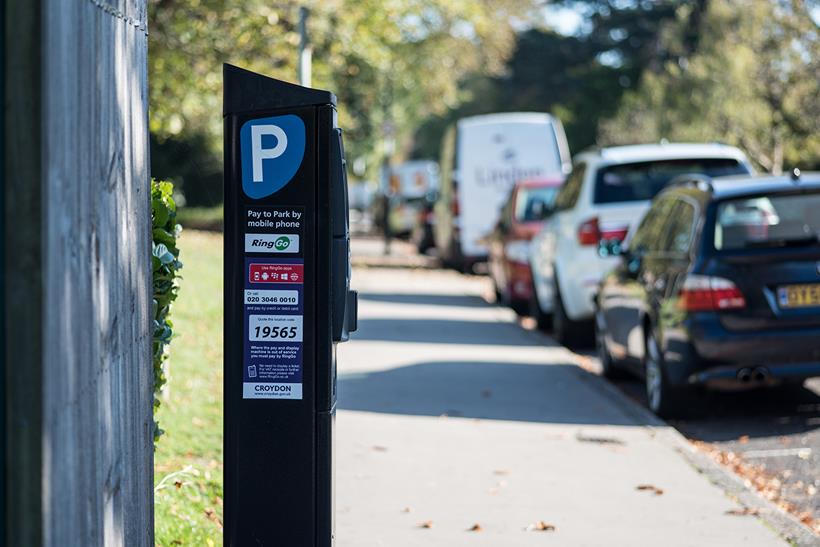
<point>165,265</point>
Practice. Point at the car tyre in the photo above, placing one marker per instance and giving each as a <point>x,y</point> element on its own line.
<point>568,332</point>
<point>542,320</point>
<point>520,307</point>
<point>610,367</point>
<point>499,296</point>
<point>664,399</point>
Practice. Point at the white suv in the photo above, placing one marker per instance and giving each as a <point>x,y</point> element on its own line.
<point>607,193</point>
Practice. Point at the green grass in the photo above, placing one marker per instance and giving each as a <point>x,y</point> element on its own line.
<point>188,459</point>
<point>201,218</point>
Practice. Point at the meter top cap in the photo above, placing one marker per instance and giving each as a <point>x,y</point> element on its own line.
<point>246,91</point>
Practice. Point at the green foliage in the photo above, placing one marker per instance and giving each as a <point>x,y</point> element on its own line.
<point>165,267</point>
<point>193,165</point>
<point>579,78</point>
<point>202,218</point>
<point>188,461</point>
<point>392,63</point>
<point>750,81</point>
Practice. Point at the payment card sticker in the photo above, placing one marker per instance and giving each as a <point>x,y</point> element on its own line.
<point>273,303</point>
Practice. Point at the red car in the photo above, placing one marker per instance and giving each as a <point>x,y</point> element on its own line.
<point>522,216</point>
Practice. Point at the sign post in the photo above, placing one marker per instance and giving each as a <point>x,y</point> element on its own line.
<point>287,304</point>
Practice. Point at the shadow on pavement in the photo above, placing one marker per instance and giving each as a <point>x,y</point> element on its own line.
<point>444,331</point>
<point>426,299</point>
<point>759,413</point>
<point>556,393</point>
<point>726,416</point>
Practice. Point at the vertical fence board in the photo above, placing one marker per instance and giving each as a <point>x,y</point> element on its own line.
<point>97,421</point>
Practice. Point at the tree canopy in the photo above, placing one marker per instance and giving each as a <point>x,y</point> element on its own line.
<point>391,62</point>
<point>745,73</point>
<point>753,81</point>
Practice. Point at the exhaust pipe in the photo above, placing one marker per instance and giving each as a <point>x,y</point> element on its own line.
<point>744,375</point>
<point>760,374</point>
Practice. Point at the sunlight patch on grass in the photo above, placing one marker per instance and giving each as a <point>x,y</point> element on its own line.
<point>188,460</point>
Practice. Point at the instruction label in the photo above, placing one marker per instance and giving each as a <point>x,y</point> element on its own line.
<point>273,303</point>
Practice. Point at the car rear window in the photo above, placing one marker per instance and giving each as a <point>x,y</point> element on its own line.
<point>533,204</point>
<point>768,221</point>
<point>644,180</point>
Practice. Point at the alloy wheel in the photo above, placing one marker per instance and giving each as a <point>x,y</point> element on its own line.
<point>654,377</point>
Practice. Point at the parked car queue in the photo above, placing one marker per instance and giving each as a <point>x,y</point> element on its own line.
<point>685,268</point>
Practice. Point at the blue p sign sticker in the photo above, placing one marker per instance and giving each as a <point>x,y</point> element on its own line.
<point>272,150</point>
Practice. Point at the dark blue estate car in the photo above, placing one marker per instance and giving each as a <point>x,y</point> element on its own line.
<point>719,286</point>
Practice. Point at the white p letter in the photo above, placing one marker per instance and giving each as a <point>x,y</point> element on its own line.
<point>258,153</point>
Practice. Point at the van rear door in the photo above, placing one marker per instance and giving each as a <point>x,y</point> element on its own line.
<point>494,152</point>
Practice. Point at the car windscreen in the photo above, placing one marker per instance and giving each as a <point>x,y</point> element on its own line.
<point>533,204</point>
<point>644,180</point>
<point>768,221</point>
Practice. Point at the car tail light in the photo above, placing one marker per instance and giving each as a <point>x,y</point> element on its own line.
<point>592,231</point>
<point>589,233</point>
<point>705,293</point>
<point>614,232</point>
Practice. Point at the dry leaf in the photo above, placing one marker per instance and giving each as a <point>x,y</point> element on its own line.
<point>407,510</point>
<point>540,526</point>
<point>501,472</point>
<point>212,516</point>
<point>599,440</point>
<point>651,488</point>
<point>476,528</point>
<point>178,484</point>
<point>380,449</point>
<point>743,511</point>
<point>426,524</point>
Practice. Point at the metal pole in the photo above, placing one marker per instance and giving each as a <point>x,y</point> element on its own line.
<point>305,49</point>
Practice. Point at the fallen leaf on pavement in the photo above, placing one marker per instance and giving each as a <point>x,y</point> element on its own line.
<point>599,440</point>
<point>757,477</point>
<point>407,510</point>
<point>540,526</point>
<point>744,511</point>
<point>501,472</point>
<point>380,449</point>
<point>476,528</point>
<point>426,524</point>
<point>651,488</point>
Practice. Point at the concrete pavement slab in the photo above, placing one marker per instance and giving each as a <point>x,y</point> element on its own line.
<point>451,413</point>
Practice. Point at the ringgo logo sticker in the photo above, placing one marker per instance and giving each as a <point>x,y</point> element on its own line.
<point>271,243</point>
<point>272,150</point>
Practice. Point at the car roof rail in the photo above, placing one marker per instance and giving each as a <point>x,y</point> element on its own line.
<point>695,180</point>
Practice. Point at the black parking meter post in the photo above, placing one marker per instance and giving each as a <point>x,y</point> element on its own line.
<point>287,303</point>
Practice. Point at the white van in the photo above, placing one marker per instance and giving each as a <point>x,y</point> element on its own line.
<point>482,158</point>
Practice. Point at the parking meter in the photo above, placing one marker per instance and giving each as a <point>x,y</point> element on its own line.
<point>287,302</point>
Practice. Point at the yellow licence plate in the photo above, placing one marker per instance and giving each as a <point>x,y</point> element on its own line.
<point>799,296</point>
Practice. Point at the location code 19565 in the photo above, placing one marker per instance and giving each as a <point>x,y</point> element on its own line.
<point>267,328</point>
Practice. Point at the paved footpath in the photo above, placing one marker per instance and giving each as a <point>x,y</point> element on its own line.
<point>453,415</point>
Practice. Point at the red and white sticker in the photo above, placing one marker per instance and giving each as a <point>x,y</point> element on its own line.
<point>276,273</point>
